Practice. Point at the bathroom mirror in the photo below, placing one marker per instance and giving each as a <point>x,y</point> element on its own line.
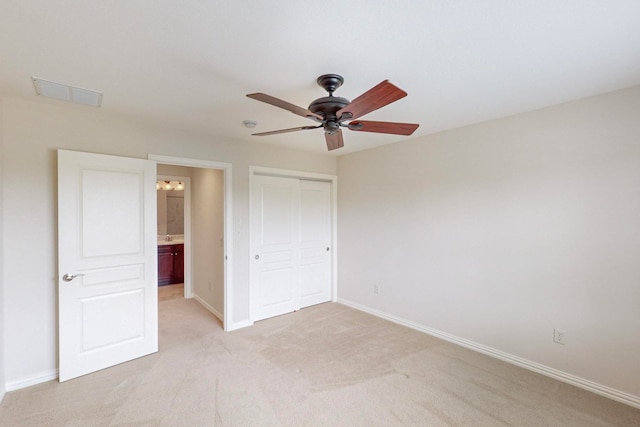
<point>170,212</point>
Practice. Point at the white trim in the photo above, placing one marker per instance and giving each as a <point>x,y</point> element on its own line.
<point>208,307</point>
<point>32,380</point>
<point>227,169</point>
<point>556,374</point>
<point>260,170</point>
<point>333,180</point>
<point>194,163</point>
<point>240,325</point>
<point>188,245</point>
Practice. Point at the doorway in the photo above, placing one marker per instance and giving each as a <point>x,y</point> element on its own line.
<point>107,291</point>
<point>173,188</point>
<point>190,235</point>
<point>207,226</point>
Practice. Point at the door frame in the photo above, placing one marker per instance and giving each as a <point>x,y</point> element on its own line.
<point>313,176</point>
<point>227,174</point>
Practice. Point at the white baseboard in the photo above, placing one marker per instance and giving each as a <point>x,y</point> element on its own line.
<point>591,386</point>
<point>240,325</point>
<point>32,380</point>
<point>209,307</point>
<point>233,327</point>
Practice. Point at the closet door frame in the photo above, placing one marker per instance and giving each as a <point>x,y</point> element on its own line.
<point>285,173</point>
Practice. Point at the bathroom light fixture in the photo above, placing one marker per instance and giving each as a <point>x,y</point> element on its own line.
<point>170,185</point>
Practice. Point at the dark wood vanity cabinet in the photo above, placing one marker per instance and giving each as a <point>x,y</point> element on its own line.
<point>170,264</point>
<point>178,264</point>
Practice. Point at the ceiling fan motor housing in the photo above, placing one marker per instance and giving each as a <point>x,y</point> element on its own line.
<point>327,108</point>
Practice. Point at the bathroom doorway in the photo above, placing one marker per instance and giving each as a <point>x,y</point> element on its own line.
<point>173,188</point>
<point>205,211</point>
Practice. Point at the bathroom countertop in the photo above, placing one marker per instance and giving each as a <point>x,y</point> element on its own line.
<point>171,242</point>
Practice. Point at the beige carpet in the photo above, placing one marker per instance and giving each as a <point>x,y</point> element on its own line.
<point>327,365</point>
<point>167,292</point>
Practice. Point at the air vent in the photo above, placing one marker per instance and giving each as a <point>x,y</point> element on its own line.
<point>65,92</point>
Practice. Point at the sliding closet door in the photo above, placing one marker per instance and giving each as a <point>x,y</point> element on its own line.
<point>315,243</point>
<point>291,235</point>
<point>275,235</point>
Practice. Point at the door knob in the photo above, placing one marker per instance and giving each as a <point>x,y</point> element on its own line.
<point>257,256</point>
<point>69,277</point>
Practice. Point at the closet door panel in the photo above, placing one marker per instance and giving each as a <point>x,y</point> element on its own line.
<point>275,236</point>
<point>315,242</point>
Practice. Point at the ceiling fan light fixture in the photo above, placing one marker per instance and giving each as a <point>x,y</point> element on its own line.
<point>331,127</point>
<point>249,124</point>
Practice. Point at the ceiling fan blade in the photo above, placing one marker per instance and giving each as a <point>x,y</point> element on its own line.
<point>383,127</point>
<point>377,97</point>
<point>334,140</point>
<point>274,132</point>
<point>284,105</point>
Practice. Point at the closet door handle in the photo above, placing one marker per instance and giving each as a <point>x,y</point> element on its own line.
<point>69,277</point>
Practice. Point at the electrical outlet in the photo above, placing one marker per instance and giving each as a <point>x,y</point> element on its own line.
<point>559,336</point>
<point>376,288</point>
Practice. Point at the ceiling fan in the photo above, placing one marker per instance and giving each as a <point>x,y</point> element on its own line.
<point>333,112</point>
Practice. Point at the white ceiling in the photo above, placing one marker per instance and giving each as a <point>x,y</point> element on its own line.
<point>188,64</point>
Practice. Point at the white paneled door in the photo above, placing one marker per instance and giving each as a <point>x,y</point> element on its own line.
<point>315,242</point>
<point>291,236</point>
<point>107,287</point>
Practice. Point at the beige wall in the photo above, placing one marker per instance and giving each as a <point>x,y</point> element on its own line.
<point>500,232</point>
<point>208,226</point>
<point>33,131</point>
<point>173,170</point>
<point>3,320</point>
